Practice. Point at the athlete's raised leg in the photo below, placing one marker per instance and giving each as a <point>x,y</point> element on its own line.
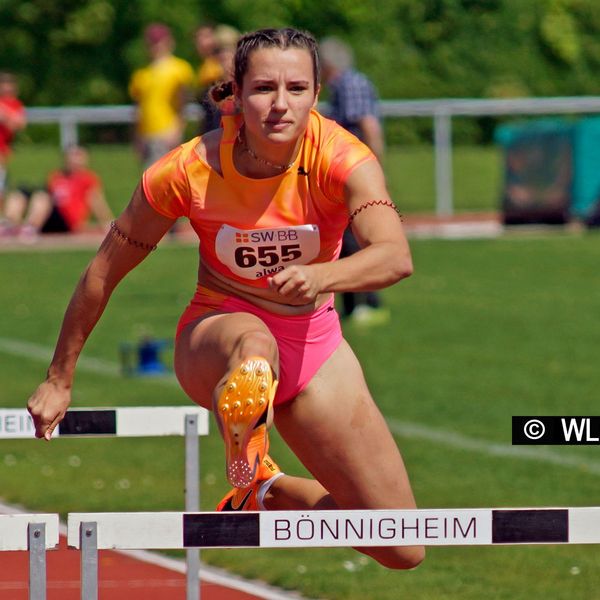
<point>228,363</point>
<point>339,434</point>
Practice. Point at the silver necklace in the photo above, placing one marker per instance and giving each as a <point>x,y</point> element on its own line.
<point>259,159</point>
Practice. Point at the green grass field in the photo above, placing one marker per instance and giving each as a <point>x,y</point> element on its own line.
<point>485,329</point>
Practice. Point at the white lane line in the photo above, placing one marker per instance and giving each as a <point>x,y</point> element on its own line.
<point>481,446</point>
<point>400,428</point>
<point>88,364</point>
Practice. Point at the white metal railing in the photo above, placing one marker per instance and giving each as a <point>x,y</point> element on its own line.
<point>441,110</point>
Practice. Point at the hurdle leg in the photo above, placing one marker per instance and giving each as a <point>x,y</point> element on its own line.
<point>88,540</point>
<point>36,533</point>
<point>192,502</point>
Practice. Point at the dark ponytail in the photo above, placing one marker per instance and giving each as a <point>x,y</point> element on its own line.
<point>220,92</point>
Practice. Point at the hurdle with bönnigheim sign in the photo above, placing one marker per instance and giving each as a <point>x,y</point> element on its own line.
<point>357,528</point>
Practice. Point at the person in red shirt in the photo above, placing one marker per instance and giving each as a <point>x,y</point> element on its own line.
<point>12,119</point>
<point>72,195</point>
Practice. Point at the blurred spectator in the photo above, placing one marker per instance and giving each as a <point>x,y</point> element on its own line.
<point>12,119</point>
<point>209,70</point>
<point>161,90</point>
<point>354,105</point>
<point>72,195</point>
<point>225,39</point>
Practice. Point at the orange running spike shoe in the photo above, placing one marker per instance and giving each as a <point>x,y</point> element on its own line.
<point>251,498</point>
<point>244,412</point>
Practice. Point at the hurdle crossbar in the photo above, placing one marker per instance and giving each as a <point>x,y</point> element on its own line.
<point>358,528</point>
<point>14,530</point>
<point>122,422</point>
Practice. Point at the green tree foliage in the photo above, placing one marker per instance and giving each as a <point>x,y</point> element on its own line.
<point>83,51</point>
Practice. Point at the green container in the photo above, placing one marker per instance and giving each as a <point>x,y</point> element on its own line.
<point>586,182</point>
<point>556,164</point>
<point>538,171</point>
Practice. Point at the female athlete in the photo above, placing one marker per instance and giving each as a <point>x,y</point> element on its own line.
<point>269,195</point>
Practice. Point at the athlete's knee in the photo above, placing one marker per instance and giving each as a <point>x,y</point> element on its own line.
<point>257,342</point>
<point>402,557</point>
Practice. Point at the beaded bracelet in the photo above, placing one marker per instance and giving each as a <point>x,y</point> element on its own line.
<point>143,245</point>
<point>373,203</point>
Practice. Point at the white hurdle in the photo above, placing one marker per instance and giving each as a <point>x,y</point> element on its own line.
<point>35,533</point>
<point>357,528</point>
<point>155,421</point>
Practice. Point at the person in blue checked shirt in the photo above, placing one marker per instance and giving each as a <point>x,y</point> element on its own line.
<point>354,105</point>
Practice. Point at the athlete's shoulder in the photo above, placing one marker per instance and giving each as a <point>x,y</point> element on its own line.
<point>325,131</point>
<point>338,154</point>
<point>319,126</point>
<point>331,139</point>
<point>166,183</point>
<point>184,153</point>
<point>174,165</point>
<point>187,148</point>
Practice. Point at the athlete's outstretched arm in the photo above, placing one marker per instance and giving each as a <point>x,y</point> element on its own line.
<point>383,260</point>
<point>137,230</point>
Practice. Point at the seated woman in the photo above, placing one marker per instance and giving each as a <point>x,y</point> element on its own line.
<point>72,195</point>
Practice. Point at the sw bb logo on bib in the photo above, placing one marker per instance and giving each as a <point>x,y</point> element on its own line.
<point>256,253</point>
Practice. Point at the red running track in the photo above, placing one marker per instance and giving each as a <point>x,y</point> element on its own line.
<point>120,577</point>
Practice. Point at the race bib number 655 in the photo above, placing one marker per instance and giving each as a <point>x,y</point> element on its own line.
<point>256,253</point>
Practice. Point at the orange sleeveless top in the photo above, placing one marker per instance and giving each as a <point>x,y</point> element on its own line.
<point>250,229</point>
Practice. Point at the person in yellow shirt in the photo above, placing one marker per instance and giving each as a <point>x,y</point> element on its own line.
<point>160,91</point>
<point>210,69</point>
<point>215,68</point>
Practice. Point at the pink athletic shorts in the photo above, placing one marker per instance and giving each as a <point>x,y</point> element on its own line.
<point>305,342</point>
